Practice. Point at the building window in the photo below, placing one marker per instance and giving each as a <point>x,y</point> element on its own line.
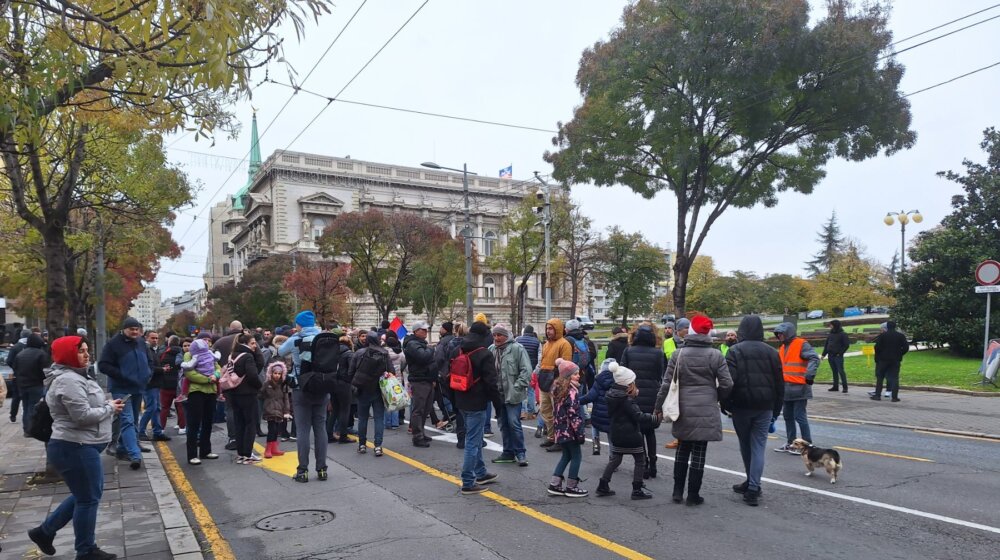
<point>225,269</point>
<point>489,288</point>
<point>318,227</point>
<point>489,243</point>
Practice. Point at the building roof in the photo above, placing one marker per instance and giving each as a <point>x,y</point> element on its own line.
<point>253,168</point>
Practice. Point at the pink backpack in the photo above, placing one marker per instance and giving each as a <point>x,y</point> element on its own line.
<point>229,379</point>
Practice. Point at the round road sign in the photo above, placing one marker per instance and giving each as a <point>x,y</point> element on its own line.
<point>988,273</point>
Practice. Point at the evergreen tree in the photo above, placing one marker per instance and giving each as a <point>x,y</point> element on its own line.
<point>894,266</point>
<point>831,243</point>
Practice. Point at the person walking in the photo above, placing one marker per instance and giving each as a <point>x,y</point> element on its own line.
<point>647,361</point>
<point>890,347</point>
<point>837,343</point>
<point>600,417</point>
<point>755,401</point>
<point>799,363</point>
<point>704,381</point>
<point>29,374</point>
<point>126,363</point>
<point>244,398</point>
<point>422,377</point>
<point>368,365</point>
<point>15,396</point>
<point>556,347</point>
<point>201,372</point>
<point>81,429</point>
<point>627,422</point>
<point>309,409</point>
<point>471,404</point>
<point>277,406</point>
<point>569,431</point>
<point>514,373</point>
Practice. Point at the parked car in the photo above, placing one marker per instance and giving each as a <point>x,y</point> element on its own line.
<point>815,314</point>
<point>8,374</point>
<point>853,312</point>
<point>668,318</point>
<point>585,322</point>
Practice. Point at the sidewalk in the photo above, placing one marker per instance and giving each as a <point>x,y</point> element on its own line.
<point>140,517</point>
<point>936,412</point>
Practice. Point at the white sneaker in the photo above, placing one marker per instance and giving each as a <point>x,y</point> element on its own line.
<point>195,461</point>
<point>182,431</point>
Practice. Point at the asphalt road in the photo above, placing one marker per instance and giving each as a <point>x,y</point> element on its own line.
<point>925,496</point>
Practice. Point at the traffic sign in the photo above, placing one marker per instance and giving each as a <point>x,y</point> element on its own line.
<point>988,273</point>
<point>988,289</point>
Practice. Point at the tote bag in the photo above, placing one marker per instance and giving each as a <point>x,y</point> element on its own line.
<point>672,406</point>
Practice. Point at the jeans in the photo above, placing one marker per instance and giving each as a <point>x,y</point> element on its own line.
<point>423,403</point>
<point>889,373</point>
<point>151,400</point>
<point>128,440</point>
<point>473,466</point>
<point>80,466</point>
<point>572,456</point>
<point>510,428</point>
<point>751,428</point>
<point>245,418</point>
<point>167,398</point>
<point>371,400</point>
<point>529,401</point>
<point>488,426</point>
<point>200,412</point>
<point>29,397</point>
<point>837,366</point>
<point>795,412</point>
<point>310,416</point>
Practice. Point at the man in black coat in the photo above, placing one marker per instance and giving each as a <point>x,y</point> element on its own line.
<point>472,405</point>
<point>151,396</point>
<point>755,401</point>
<point>423,376</point>
<point>29,372</point>
<point>15,396</point>
<point>890,346</point>
<point>837,343</point>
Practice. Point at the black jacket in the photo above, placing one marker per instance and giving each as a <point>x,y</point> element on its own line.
<point>617,347</point>
<point>369,381</point>
<point>648,363</point>
<point>627,421</point>
<point>758,383</point>
<point>889,347</point>
<point>171,371</point>
<point>156,381</point>
<point>837,343</point>
<point>344,366</point>
<point>419,360</point>
<point>246,368</point>
<point>30,363</point>
<point>484,371</point>
<point>12,354</point>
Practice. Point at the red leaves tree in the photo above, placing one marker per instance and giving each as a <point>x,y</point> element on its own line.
<point>322,287</point>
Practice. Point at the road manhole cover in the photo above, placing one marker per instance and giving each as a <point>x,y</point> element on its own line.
<point>301,519</point>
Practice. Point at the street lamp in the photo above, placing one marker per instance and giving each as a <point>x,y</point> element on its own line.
<point>546,222</point>
<point>904,218</point>
<point>468,237</point>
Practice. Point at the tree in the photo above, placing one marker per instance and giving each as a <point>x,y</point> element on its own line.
<point>831,244</point>
<point>935,300</point>
<point>180,323</point>
<point>576,251</point>
<point>383,250</point>
<point>322,287</point>
<point>726,104</point>
<point>70,66</point>
<point>258,299</point>
<point>783,293</point>
<point>521,256</point>
<point>436,282</point>
<point>894,267</point>
<point>851,280</point>
<point>629,266</point>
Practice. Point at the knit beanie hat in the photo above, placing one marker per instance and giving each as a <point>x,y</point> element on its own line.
<point>701,324</point>
<point>131,322</point>
<point>501,329</point>
<point>481,318</point>
<point>448,326</point>
<point>305,319</point>
<point>683,323</point>
<point>623,375</point>
<point>566,367</point>
<point>573,325</point>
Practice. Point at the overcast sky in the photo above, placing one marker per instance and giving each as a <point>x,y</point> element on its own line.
<point>516,61</point>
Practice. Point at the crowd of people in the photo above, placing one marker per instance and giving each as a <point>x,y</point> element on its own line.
<point>316,387</point>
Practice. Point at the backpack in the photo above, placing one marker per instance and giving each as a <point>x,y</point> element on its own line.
<point>372,364</point>
<point>581,354</point>
<point>460,373</point>
<point>229,380</point>
<point>319,357</point>
<point>41,422</point>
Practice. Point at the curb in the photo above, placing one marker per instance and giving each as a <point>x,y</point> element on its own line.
<point>934,389</point>
<point>909,427</point>
<point>180,536</point>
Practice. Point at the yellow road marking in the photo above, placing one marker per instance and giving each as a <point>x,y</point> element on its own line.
<point>835,422</point>
<point>283,464</point>
<point>973,438</point>
<point>220,548</point>
<point>880,454</point>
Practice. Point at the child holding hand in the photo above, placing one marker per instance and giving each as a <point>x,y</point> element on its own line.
<point>627,423</point>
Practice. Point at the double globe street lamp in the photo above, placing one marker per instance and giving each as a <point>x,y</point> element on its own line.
<point>904,218</point>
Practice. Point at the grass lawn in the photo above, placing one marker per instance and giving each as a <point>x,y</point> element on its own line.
<point>937,368</point>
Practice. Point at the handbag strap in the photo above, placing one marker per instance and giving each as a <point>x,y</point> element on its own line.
<point>677,368</point>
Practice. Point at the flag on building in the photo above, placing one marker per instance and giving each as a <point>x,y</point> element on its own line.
<point>397,327</point>
<point>507,172</point>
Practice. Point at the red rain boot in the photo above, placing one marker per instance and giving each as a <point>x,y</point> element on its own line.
<point>275,451</point>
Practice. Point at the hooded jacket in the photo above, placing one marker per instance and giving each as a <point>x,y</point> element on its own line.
<point>758,383</point>
<point>419,360</point>
<point>80,411</point>
<point>486,388</point>
<point>795,391</point>
<point>837,342</point>
<point>558,348</point>
<point>889,347</point>
<point>289,347</point>
<point>600,416</point>
<point>648,363</point>
<point>514,372</point>
<point>705,381</point>
<point>125,361</point>
<point>617,346</point>
<point>30,363</point>
<point>626,420</point>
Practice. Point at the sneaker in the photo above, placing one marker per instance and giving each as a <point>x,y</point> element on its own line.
<point>182,431</point>
<point>378,450</point>
<point>487,434</point>
<point>741,488</point>
<point>556,490</point>
<point>474,489</point>
<point>97,554</point>
<point>504,458</point>
<point>546,443</point>
<point>135,465</point>
<point>362,449</point>
<point>241,460</point>
<point>301,476</point>
<point>145,449</point>
<point>322,475</point>
<point>231,445</point>
<point>575,492</point>
<point>895,400</point>
<point>751,497</point>
<point>421,443</point>
<point>488,478</point>
<point>522,461</point>
<point>161,437</point>
<point>43,541</point>
<point>833,389</point>
<point>194,461</point>
<point>254,457</point>
<point>554,448</point>
<point>210,456</point>
<point>787,448</point>
<point>538,434</point>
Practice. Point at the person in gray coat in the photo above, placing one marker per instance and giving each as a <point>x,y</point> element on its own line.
<point>704,382</point>
<point>799,363</point>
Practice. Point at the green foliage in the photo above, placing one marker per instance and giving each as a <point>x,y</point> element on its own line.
<point>851,280</point>
<point>438,280</point>
<point>935,299</point>
<point>629,266</point>
<point>257,301</point>
<point>831,244</point>
<point>730,103</point>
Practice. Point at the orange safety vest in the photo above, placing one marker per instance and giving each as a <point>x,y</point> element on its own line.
<point>792,365</point>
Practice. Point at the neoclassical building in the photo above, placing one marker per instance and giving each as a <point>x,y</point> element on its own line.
<point>290,199</point>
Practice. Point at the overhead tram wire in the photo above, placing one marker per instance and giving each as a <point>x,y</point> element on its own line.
<point>275,118</point>
<point>349,82</point>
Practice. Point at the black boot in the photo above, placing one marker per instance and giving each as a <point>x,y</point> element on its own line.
<point>651,466</point>
<point>603,489</point>
<point>639,492</point>
<point>680,474</point>
<point>694,487</point>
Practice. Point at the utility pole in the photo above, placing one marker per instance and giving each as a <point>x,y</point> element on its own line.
<point>100,337</point>
<point>546,220</point>
<point>468,246</point>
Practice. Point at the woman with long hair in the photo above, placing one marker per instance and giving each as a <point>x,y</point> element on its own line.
<point>244,397</point>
